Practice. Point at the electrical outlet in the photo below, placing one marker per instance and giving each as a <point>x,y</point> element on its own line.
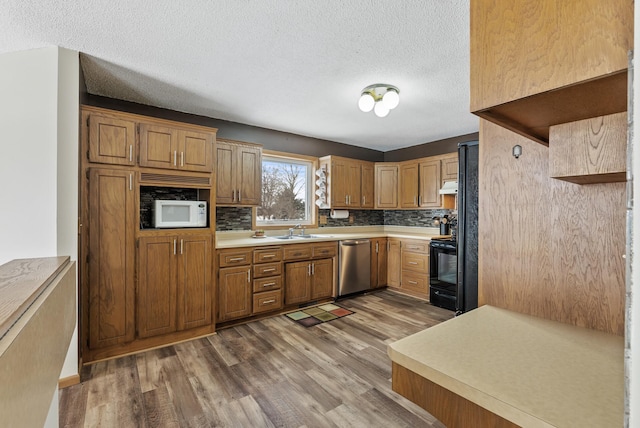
<point>350,219</point>
<point>323,219</point>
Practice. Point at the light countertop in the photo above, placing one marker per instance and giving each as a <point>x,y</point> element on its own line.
<point>234,239</point>
<point>530,371</point>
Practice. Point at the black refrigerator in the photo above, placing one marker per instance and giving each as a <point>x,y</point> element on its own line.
<point>467,291</point>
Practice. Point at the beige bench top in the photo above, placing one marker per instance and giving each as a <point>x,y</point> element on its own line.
<point>530,371</point>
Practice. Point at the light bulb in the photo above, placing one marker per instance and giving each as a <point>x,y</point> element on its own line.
<point>391,99</point>
<point>381,110</point>
<point>366,102</point>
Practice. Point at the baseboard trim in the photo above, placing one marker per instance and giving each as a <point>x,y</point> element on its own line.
<point>68,381</point>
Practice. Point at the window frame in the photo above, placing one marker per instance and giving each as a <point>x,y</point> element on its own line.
<point>311,188</point>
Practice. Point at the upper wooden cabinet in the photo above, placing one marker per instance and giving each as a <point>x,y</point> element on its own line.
<point>539,63</point>
<point>120,138</point>
<point>239,173</point>
<point>111,140</point>
<point>174,148</point>
<point>420,183</point>
<point>449,167</point>
<point>386,189</point>
<point>350,182</point>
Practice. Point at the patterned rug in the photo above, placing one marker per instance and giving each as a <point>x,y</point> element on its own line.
<point>318,314</point>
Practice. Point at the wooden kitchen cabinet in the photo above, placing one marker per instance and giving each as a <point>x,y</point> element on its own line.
<point>350,182</point>
<point>239,173</point>
<point>174,283</point>
<point>378,262</point>
<point>111,259</point>
<point>175,148</point>
<point>420,184</point>
<point>112,140</point>
<point>449,168</point>
<point>367,185</point>
<point>414,264</point>
<point>234,293</point>
<point>267,282</point>
<point>308,280</point>
<point>539,63</point>
<point>393,263</point>
<point>386,185</point>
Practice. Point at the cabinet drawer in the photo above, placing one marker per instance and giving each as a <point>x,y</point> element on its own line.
<point>234,258</point>
<point>417,246</point>
<point>267,301</point>
<point>267,284</point>
<point>297,252</point>
<point>267,269</point>
<point>325,250</point>
<point>415,282</point>
<point>415,262</point>
<point>267,255</point>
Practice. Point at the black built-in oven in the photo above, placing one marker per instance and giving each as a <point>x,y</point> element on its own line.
<point>443,271</point>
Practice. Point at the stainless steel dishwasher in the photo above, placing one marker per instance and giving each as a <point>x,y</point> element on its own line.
<point>354,266</point>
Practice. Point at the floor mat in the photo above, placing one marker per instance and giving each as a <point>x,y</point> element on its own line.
<point>318,314</point>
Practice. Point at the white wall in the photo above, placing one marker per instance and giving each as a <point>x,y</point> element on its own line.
<point>39,104</point>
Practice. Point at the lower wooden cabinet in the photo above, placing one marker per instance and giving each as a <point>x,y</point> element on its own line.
<point>234,293</point>
<point>111,261</point>
<point>414,263</point>
<point>308,280</point>
<point>393,263</point>
<point>174,284</point>
<point>378,262</point>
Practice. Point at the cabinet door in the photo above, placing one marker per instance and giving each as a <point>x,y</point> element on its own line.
<point>234,293</point>
<point>249,175</point>
<point>367,185</point>
<point>409,185</point>
<point>322,277</point>
<point>158,146</point>
<point>225,178</point>
<point>339,180</point>
<point>430,184</point>
<point>111,141</point>
<point>386,177</point>
<point>297,282</point>
<point>354,194</point>
<point>449,168</point>
<point>195,151</point>
<point>381,263</point>
<point>156,300</point>
<point>194,281</point>
<point>112,225</point>
<point>393,263</point>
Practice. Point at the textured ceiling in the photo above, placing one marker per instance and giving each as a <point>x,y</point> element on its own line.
<point>290,65</point>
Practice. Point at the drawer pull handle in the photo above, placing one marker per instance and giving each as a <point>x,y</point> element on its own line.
<point>413,263</point>
<point>269,270</point>
<point>412,247</point>
<point>266,302</point>
<point>412,282</point>
<point>236,259</point>
<point>268,256</point>
<point>269,284</point>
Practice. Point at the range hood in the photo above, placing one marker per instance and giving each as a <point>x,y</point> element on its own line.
<point>449,188</point>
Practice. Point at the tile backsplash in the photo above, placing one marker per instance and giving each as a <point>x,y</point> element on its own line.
<point>239,218</point>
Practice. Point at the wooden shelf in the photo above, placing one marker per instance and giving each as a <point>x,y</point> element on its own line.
<point>532,116</point>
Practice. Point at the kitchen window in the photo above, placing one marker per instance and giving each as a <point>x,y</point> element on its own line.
<point>287,191</point>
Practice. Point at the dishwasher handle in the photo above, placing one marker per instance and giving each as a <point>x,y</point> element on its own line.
<point>354,242</point>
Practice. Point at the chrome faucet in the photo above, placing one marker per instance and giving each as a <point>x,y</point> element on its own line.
<point>297,226</point>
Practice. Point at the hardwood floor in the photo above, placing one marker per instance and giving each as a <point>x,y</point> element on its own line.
<point>268,373</point>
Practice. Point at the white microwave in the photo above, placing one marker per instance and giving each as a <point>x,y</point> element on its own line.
<point>179,213</point>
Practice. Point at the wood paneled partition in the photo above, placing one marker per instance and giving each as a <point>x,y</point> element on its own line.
<point>547,247</point>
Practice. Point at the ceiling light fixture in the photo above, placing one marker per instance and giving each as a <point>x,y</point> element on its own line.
<point>380,97</point>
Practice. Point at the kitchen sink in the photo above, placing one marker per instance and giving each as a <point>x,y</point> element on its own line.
<point>300,236</point>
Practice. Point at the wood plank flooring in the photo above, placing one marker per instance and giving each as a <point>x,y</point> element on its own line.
<point>268,373</point>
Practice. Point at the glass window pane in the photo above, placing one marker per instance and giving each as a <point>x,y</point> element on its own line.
<point>286,192</point>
